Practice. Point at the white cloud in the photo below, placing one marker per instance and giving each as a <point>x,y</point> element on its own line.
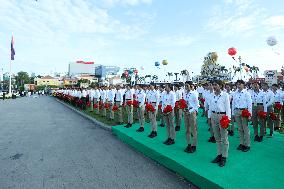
<point>274,21</point>
<point>126,2</point>
<point>175,40</point>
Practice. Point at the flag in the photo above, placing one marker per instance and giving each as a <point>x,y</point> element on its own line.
<point>12,49</point>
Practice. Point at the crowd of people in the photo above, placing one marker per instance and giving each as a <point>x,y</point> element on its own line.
<point>240,104</point>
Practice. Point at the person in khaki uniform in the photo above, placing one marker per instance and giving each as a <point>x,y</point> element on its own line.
<point>141,97</point>
<point>277,100</point>
<point>241,101</point>
<point>257,96</point>
<point>178,111</point>
<point>219,106</point>
<point>153,98</point>
<point>169,98</point>
<point>268,107</point>
<point>110,98</point>
<point>161,91</point>
<point>118,102</point>
<point>129,108</point>
<point>103,94</point>
<point>190,116</point>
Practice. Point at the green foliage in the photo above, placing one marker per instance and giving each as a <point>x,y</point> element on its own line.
<point>22,78</point>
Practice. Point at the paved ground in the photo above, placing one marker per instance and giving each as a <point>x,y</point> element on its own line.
<point>46,145</point>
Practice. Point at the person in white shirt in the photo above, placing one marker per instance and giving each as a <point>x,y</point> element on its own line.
<point>110,98</point>
<point>103,94</point>
<point>268,107</point>
<point>219,105</point>
<point>207,96</point>
<point>178,111</point>
<point>96,97</point>
<point>129,93</point>
<point>141,97</point>
<point>160,112</point>
<point>153,98</point>
<point>277,100</point>
<point>169,98</point>
<point>190,117</point>
<point>84,99</point>
<point>241,101</point>
<point>230,93</point>
<point>257,96</point>
<point>119,101</point>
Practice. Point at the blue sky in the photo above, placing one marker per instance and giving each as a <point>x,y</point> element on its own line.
<point>50,33</point>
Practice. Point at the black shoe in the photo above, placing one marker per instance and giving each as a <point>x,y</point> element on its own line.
<point>187,149</point>
<point>192,149</point>
<point>177,128</point>
<point>171,141</point>
<point>162,125</point>
<point>130,125</point>
<point>276,128</point>
<point>260,139</point>
<point>217,159</point>
<point>271,134</point>
<point>127,125</point>
<point>231,132</point>
<point>246,148</point>
<point>151,135</point>
<point>212,139</point>
<point>167,141</point>
<point>256,138</point>
<point>222,162</point>
<point>120,123</point>
<point>240,147</point>
<point>141,129</point>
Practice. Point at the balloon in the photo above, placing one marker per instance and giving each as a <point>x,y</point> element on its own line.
<point>232,51</point>
<point>271,41</point>
<point>214,56</point>
<point>142,68</point>
<point>157,64</point>
<point>165,62</point>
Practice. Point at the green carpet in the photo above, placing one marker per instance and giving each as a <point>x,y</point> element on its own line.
<point>261,167</point>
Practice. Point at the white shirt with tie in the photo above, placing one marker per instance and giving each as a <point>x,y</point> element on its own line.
<point>141,96</point>
<point>268,99</point>
<point>119,96</point>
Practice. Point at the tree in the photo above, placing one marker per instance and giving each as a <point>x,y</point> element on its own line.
<point>170,74</point>
<point>22,78</point>
<point>82,81</point>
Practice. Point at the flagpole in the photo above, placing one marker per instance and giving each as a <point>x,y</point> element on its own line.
<point>10,80</point>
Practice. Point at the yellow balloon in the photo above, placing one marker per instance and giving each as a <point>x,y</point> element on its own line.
<point>214,56</point>
<point>165,62</point>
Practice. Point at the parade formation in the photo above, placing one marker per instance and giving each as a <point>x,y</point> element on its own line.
<point>225,105</point>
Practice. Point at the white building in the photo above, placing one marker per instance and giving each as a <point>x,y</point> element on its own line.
<point>270,76</point>
<point>81,67</point>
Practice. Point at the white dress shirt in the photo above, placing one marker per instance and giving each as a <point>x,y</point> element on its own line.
<point>277,96</point>
<point>242,99</point>
<point>111,95</point>
<point>168,99</point>
<point>141,96</point>
<point>219,103</point>
<point>191,99</point>
<point>257,97</point>
<point>119,96</point>
<point>129,94</point>
<point>153,96</point>
<point>103,95</point>
<point>178,94</point>
<point>268,99</point>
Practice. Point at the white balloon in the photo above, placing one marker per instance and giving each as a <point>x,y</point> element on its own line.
<point>271,41</point>
<point>142,68</point>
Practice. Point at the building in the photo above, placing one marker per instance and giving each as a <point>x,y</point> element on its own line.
<point>103,72</point>
<point>47,81</point>
<point>81,67</point>
<point>91,78</point>
<point>272,77</point>
<point>116,80</point>
<point>70,81</point>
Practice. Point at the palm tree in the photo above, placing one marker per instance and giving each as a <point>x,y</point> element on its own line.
<point>155,77</point>
<point>170,74</point>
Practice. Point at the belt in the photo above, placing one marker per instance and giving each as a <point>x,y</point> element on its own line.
<point>128,99</point>
<point>277,102</point>
<point>259,103</point>
<point>240,108</point>
<point>153,102</point>
<point>218,112</point>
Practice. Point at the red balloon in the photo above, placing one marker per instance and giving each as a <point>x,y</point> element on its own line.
<point>232,51</point>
